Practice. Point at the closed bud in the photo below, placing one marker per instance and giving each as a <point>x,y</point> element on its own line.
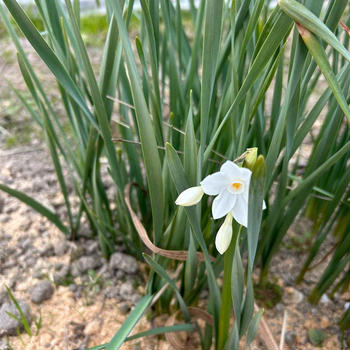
<point>189,197</point>
<point>224,235</point>
<point>250,158</point>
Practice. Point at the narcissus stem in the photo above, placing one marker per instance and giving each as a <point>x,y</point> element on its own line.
<point>226,296</point>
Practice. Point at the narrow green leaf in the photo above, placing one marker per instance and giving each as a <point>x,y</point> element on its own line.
<point>190,267</point>
<point>248,308</point>
<point>154,67</point>
<point>307,19</point>
<point>255,206</point>
<point>276,36</point>
<point>98,347</point>
<point>99,106</point>
<point>190,149</point>
<point>161,330</point>
<point>161,272</point>
<point>129,324</point>
<point>36,206</point>
<point>317,173</point>
<point>321,59</point>
<point>211,41</point>
<point>233,339</point>
<point>237,285</point>
<point>146,134</point>
<point>253,327</point>
<point>23,319</point>
<point>47,55</point>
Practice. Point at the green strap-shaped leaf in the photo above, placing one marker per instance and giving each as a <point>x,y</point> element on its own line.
<point>307,19</point>
<point>278,33</point>
<point>255,207</point>
<point>211,41</point>
<point>36,206</point>
<point>129,324</point>
<point>190,148</point>
<point>47,55</point>
<point>248,308</point>
<point>321,59</point>
<point>146,133</point>
<point>185,327</point>
<point>162,273</point>
<point>154,68</point>
<point>99,106</point>
<point>22,319</point>
<point>317,173</point>
<point>253,327</point>
<point>237,285</point>
<point>161,330</point>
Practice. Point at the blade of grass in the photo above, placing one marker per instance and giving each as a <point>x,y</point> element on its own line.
<point>161,330</point>
<point>147,135</point>
<point>119,338</point>
<point>321,59</point>
<point>47,55</point>
<point>307,19</point>
<point>36,206</point>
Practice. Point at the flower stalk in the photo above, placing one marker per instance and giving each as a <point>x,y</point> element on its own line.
<point>226,294</point>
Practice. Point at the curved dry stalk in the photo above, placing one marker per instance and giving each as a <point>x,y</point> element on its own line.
<point>171,254</point>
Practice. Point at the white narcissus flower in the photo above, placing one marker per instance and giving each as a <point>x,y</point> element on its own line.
<point>231,186</point>
<point>224,235</point>
<point>189,197</point>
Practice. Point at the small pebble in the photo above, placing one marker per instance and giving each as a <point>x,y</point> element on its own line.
<point>324,299</point>
<point>292,296</point>
<point>126,263</point>
<point>291,339</point>
<point>41,292</point>
<point>84,264</point>
<point>60,248</point>
<point>8,325</point>
<point>124,308</point>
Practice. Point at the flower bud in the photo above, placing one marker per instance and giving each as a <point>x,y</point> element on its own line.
<point>189,197</point>
<point>224,235</point>
<point>250,158</point>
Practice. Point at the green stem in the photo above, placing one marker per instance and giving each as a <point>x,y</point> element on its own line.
<point>226,300</point>
<point>264,274</point>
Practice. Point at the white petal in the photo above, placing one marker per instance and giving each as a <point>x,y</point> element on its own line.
<point>223,204</point>
<point>245,174</point>
<point>224,235</point>
<point>214,184</point>
<point>264,205</point>
<point>245,194</point>
<point>231,170</point>
<point>240,211</point>
<point>190,196</point>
